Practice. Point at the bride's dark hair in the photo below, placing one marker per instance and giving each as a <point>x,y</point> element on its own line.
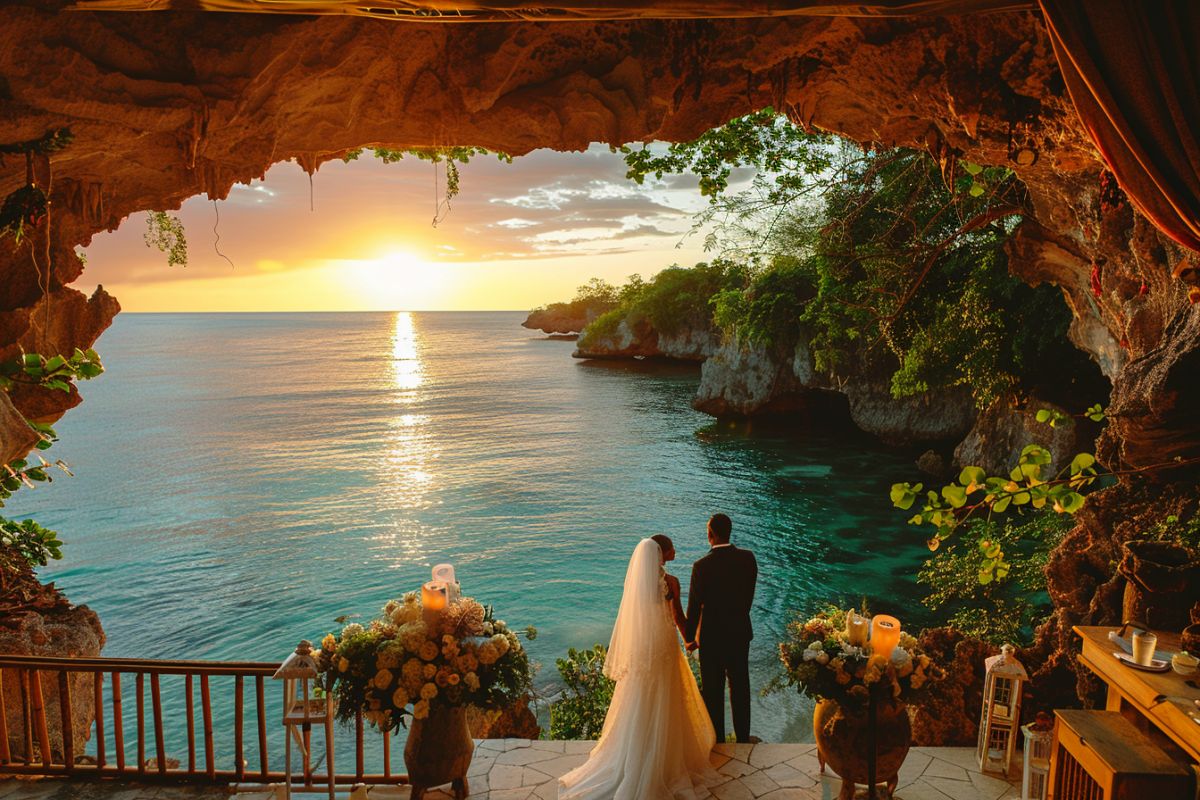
<point>664,542</point>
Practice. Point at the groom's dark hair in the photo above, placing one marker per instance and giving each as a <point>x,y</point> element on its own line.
<point>721,527</point>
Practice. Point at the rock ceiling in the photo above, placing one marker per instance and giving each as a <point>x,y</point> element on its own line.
<point>171,104</point>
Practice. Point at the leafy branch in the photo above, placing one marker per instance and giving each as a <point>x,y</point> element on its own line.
<point>165,232</point>
<point>56,372</point>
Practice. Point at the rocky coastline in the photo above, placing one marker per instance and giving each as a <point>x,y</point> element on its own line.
<point>740,380</point>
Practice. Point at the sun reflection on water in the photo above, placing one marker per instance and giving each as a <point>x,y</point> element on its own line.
<point>409,477</point>
<point>406,361</point>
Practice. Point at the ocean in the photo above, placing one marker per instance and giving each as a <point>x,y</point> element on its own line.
<point>241,480</point>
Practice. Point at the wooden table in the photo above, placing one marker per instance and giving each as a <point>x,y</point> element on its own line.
<point>1165,700</point>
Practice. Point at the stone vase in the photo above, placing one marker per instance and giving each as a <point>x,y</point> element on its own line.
<point>842,734</point>
<point>1162,584</point>
<point>439,751</point>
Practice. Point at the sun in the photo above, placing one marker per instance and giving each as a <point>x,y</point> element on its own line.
<point>400,281</point>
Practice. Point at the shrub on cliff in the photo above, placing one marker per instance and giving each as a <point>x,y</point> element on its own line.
<point>885,258</point>
<point>674,299</point>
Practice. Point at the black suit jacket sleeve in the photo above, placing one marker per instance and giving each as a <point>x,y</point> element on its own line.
<point>695,603</point>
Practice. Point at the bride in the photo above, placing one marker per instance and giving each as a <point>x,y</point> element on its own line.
<point>657,735</point>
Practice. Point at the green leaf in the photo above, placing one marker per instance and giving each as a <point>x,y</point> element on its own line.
<point>972,475</point>
<point>1043,414</point>
<point>976,190</point>
<point>1002,504</point>
<point>1071,502</point>
<point>970,168</point>
<point>956,496</point>
<point>1081,462</point>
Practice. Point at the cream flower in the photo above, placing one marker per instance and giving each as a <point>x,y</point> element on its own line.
<point>400,698</point>
<point>421,710</point>
<point>353,629</point>
<point>471,680</point>
<point>429,670</point>
<point>488,653</point>
<point>428,691</point>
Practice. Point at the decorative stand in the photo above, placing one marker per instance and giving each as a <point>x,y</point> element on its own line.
<point>1001,714</point>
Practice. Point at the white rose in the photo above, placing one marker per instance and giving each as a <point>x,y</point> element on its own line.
<point>353,629</point>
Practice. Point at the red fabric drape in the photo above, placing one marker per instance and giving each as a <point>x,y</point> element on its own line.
<point>1133,70</point>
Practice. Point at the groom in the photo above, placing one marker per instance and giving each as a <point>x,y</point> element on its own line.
<point>719,600</point>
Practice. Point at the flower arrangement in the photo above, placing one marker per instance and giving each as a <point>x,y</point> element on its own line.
<point>819,659</point>
<point>411,660</point>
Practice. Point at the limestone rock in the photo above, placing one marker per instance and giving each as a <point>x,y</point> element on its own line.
<point>933,417</point>
<point>636,337</point>
<point>16,437</point>
<point>949,716</point>
<point>745,380</point>
<point>66,632</point>
<point>1002,431</point>
<point>563,318</point>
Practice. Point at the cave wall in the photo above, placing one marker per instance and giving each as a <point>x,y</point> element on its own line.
<point>168,105</point>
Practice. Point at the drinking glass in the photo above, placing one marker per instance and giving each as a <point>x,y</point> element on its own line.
<point>1144,643</point>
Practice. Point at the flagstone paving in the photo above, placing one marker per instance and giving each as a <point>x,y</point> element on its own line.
<point>520,769</point>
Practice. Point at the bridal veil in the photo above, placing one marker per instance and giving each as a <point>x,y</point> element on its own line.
<point>657,736</point>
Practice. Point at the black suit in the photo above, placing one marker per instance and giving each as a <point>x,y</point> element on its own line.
<point>719,601</point>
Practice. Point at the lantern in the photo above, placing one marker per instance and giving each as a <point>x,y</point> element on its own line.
<point>1003,678</point>
<point>1035,781</point>
<point>301,708</point>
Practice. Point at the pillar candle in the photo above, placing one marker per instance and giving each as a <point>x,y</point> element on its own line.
<point>885,635</point>
<point>856,629</point>
<point>434,596</point>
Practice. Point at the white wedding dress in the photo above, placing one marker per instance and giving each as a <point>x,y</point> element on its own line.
<point>657,736</point>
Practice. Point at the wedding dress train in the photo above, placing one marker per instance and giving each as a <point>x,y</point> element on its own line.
<point>657,736</point>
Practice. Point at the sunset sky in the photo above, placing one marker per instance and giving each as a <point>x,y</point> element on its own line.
<point>519,235</point>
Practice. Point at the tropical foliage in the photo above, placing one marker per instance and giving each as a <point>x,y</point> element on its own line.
<point>27,540</point>
<point>578,714</point>
<point>975,597</point>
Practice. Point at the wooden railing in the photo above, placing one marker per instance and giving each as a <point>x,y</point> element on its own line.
<point>23,692</point>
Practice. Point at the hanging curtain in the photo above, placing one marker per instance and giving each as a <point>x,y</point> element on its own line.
<point>1133,70</point>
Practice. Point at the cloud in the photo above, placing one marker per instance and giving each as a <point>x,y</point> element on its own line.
<point>542,205</point>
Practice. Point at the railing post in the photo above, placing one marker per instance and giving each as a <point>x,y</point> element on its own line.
<point>191,723</point>
<point>26,715</point>
<point>260,696</point>
<point>141,723</point>
<point>240,766</point>
<point>68,719</point>
<point>98,706</point>
<point>160,752</point>
<point>206,707</point>
<point>39,711</point>
<point>118,722</point>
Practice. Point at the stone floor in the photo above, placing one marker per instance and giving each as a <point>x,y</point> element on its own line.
<point>519,769</point>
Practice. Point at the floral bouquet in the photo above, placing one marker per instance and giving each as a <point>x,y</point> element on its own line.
<point>819,659</point>
<point>410,660</point>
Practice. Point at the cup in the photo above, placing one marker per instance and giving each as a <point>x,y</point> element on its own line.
<point>1144,643</point>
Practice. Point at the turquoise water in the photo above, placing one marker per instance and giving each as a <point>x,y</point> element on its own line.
<point>243,479</point>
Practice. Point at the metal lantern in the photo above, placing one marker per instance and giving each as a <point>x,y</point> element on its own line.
<point>1001,713</point>
<point>301,708</point>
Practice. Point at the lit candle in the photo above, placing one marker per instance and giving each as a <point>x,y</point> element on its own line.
<point>856,629</point>
<point>885,635</point>
<point>434,597</point>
